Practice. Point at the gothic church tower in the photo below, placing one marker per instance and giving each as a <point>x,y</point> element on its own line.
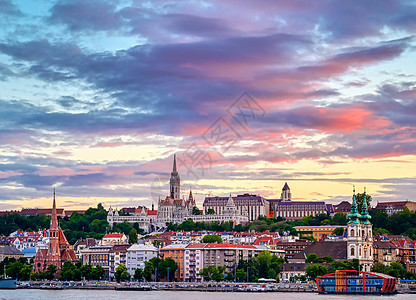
<point>175,181</point>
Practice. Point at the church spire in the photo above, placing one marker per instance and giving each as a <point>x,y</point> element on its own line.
<point>175,182</point>
<point>365,217</point>
<point>54,217</point>
<point>174,164</point>
<point>354,215</point>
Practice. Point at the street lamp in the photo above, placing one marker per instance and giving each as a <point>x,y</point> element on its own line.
<point>247,273</point>
<point>168,274</point>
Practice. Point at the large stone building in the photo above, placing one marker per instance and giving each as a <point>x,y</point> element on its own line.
<point>360,235</point>
<point>294,210</point>
<point>252,205</point>
<point>59,250</point>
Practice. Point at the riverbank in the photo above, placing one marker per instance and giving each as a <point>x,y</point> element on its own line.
<point>194,287</point>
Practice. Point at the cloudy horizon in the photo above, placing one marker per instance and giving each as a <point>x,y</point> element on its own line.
<point>97,96</point>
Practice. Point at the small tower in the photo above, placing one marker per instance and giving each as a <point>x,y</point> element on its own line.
<point>175,181</point>
<point>286,194</point>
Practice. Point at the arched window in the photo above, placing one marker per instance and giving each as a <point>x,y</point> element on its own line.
<point>363,233</point>
<point>352,232</point>
<point>369,232</point>
<point>360,251</point>
<point>352,251</point>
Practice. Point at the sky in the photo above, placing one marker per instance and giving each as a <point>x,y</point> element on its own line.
<point>97,96</point>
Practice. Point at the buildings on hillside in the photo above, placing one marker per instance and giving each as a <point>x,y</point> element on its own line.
<point>394,207</point>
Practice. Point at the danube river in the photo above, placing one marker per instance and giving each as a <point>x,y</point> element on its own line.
<point>28,294</point>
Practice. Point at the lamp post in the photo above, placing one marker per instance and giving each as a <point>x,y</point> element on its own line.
<point>247,273</point>
<point>168,274</point>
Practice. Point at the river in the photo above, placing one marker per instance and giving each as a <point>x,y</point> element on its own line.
<point>29,294</point>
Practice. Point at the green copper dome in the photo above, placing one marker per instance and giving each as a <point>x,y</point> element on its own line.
<point>365,217</point>
<point>354,215</point>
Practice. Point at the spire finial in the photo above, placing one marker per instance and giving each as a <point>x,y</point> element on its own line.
<point>365,189</point>
<point>174,163</point>
<point>353,188</point>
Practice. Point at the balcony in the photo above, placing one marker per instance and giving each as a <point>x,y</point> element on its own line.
<point>229,259</point>
<point>229,253</point>
<point>192,254</point>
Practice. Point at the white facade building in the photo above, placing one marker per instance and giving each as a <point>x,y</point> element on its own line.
<point>138,254</point>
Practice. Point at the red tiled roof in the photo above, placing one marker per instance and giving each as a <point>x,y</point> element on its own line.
<point>113,235</point>
<point>152,212</point>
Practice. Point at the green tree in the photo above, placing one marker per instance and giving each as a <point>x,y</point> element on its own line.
<point>86,271</point>
<point>339,219</point>
<point>168,264</point>
<point>313,271</point>
<point>229,276</point>
<point>212,238</point>
<point>121,273</point>
<point>133,238</point>
<point>51,271</point>
<point>148,270</point>
<point>210,211</point>
<point>311,258</point>
<point>67,271</point>
<point>98,273</point>
<point>196,211</point>
<point>338,231</point>
<point>360,200</point>
<point>241,275</point>
<point>138,274</point>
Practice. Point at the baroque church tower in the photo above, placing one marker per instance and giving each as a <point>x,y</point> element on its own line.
<point>360,235</point>
<point>175,181</point>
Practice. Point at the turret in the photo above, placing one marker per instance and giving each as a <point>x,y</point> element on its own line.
<point>354,215</point>
<point>365,217</point>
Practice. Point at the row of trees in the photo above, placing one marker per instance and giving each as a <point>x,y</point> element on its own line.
<point>155,269</point>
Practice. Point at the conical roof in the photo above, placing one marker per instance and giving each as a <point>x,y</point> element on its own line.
<point>354,215</point>
<point>365,217</point>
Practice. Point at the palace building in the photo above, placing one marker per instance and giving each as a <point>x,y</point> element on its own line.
<point>59,250</point>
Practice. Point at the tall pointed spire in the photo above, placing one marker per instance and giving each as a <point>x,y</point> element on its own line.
<point>365,217</point>
<point>54,217</point>
<point>175,182</point>
<point>174,163</point>
<point>354,215</point>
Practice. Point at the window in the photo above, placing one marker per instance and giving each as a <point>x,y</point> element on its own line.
<point>352,251</point>
<point>352,232</point>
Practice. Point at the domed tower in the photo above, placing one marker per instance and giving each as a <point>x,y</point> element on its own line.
<point>360,239</point>
<point>175,181</point>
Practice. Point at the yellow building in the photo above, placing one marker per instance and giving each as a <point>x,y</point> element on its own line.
<point>317,231</point>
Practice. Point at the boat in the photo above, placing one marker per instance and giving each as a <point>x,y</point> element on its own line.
<point>7,283</point>
<point>354,282</point>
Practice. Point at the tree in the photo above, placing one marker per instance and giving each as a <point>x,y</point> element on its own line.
<point>313,271</point>
<point>98,273</point>
<point>339,219</point>
<point>196,211</point>
<point>210,211</point>
<point>360,200</point>
<point>133,236</point>
<point>167,265</point>
<point>138,274</point>
<point>338,231</point>
<point>50,272</point>
<point>148,270</point>
<point>212,273</point>
<point>241,274</point>
<point>212,239</point>
<point>67,271</point>
<point>121,273</point>
<point>311,258</point>
<point>229,276</point>
<point>86,271</point>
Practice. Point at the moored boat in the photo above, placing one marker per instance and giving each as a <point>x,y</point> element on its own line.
<point>354,282</point>
<point>7,283</point>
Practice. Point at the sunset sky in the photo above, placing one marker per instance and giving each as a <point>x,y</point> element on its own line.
<point>97,96</point>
